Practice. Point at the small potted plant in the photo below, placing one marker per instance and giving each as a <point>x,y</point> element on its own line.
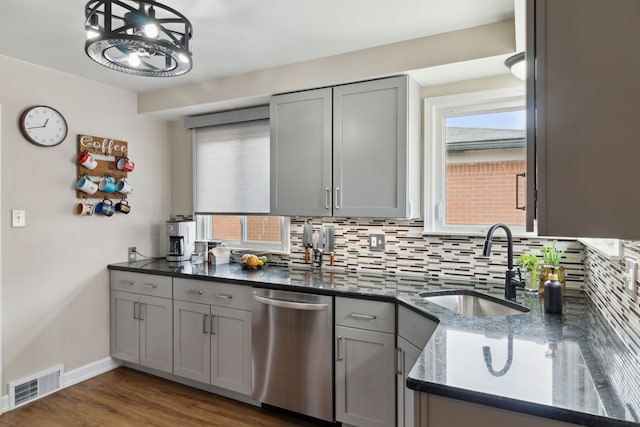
<point>551,261</point>
<point>529,263</point>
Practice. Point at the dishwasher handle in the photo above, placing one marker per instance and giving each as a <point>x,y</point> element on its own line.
<point>290,304</point>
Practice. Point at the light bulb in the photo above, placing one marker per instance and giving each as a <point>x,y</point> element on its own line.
<point>92,34</point>
<point>134,59</point>
<point>151,31</point>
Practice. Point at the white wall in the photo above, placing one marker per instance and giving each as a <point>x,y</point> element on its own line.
<point>456,46</point>
<point>55,291</point>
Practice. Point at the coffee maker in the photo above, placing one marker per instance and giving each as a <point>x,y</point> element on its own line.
<point>182,235</point>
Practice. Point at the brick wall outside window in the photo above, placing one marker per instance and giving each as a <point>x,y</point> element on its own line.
<point>259,228</point>
<point>484,193</point>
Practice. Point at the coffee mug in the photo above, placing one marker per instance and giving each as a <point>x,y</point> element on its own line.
<point>87,160</point>
<point>105,207</point>
<point>85,184</point>
<point>84,207</point>
<point>124,187</point>
<point>126,164</point>
<point>107,185</point>
<point>123,207</point>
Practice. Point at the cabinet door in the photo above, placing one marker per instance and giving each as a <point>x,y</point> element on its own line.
<point>156,333</point>
<point>407,356</point>
<point>365,377</point>
<point>231,349</point>
<point>370,149</point>
<point>301,153</point>
<point>125,330</point>
<point>191,344</point>
<point>586,90</point>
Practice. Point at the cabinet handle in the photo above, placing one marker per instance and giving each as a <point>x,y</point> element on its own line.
<point>213,332</point>
<point>126,282</point>
<point>204,324</point>
<point>151,285</point>
<point>194,292</point>
<point>135,309</point>
<point>140,307</point>
<point>523,207</point>
<point>327,194</point>
<point>224,296</point>
<point>339,348</point>
<point>337,198</point>
<point>399,360</point>
<point>362,316</point>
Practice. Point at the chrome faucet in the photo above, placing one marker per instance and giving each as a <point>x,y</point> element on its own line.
<point>510,282</point>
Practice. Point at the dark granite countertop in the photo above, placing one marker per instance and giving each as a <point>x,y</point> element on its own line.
<point>535,363</point>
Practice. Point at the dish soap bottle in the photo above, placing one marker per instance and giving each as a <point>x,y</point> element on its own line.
<point>553,293</point>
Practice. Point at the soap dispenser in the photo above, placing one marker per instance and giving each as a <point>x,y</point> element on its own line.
<point>553,293</point>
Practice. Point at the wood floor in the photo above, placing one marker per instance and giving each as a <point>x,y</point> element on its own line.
<point>125,397</point>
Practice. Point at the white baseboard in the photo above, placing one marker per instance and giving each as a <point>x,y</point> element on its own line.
<point>89,371</point>
<point>75,376</point>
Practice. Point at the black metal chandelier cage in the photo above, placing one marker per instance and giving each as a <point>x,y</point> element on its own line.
<point>139,37</point>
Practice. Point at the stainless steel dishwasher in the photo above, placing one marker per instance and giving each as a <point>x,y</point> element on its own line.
<point>293,351</point>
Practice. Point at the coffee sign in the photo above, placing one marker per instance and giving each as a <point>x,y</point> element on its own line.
<point>101,145</point>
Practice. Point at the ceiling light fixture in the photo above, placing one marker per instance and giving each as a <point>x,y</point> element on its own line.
<point>517,65</point>
<point>127,36</point>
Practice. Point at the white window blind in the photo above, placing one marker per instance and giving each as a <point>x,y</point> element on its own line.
<point>232,168</point>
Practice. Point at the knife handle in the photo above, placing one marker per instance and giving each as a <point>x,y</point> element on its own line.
<point>306,255</point>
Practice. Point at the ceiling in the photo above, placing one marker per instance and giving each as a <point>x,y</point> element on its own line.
<point>237,36</point>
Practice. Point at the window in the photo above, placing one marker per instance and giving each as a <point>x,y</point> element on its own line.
<point>474,151</point>
<point>231,180</point>
<point>258,232</point>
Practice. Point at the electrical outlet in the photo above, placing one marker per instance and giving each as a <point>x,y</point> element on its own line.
<point>376,242</point>
<point>131,254</point>
<point>631,271</point>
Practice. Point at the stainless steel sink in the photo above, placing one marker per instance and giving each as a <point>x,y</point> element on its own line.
<point>473,304</point>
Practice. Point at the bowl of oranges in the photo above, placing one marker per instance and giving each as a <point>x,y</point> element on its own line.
<point>251,261</point>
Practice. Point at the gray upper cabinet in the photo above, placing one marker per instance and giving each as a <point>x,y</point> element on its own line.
<point>301,153</point>
<point>351,150</point>
<point>586,85</point>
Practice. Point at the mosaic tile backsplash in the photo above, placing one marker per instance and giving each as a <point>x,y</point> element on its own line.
<point>604,283</point>
<point>408,252</point>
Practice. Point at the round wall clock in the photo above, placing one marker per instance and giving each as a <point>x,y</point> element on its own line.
<point>43,125</point>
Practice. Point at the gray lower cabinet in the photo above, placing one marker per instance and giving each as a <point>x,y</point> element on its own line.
<point>350,150</point>
<point>141,319</point>
<point>414,330</point>
<point>407,356</point>
<point>365,374</point>
<point>212,344</point>
<point>141,328</point>
<point>440,411</point>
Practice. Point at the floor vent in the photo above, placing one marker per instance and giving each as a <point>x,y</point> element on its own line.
<point>34,387</point>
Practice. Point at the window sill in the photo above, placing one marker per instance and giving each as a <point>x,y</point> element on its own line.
<point>473,233</point>
<point>609,248</point>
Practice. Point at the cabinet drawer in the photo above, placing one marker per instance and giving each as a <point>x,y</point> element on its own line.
<point>140,283</point>
<point>364,314</point>
<point>415,328</point>
<point>214,293</point>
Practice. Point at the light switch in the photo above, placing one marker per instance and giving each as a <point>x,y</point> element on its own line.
<point>376,242</point>
<point>18,218</point>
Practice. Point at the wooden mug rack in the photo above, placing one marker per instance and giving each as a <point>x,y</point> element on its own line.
<point>107,152</point>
